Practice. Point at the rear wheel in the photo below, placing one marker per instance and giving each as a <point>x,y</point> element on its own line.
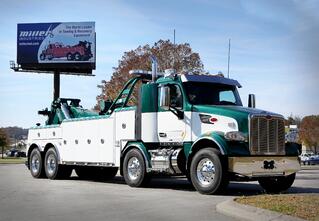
<point>77,56</point>
<point>208,172</point>
<point>134,169</point>
<point>36,164</point>
<point>53,169</point>
<point>277,184</point>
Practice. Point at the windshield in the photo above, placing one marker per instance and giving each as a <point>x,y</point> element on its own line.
<point>212,94</point>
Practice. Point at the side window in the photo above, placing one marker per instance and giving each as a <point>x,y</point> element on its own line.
<point>227,96</point>
<point>176,97</point>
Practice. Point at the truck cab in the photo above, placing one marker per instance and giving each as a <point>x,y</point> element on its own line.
<point>181,124</point>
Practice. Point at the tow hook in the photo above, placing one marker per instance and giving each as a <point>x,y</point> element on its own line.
<point>269,164</point>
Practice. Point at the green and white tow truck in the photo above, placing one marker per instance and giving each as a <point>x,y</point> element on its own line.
<point>182,124</point>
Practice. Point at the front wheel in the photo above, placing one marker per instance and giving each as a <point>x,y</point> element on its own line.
<point>53,169</point>
<point>42,57</point>
<point>134,169</point>
<point>69,57</point>
<point>277,184</point>
<point>208,172</point>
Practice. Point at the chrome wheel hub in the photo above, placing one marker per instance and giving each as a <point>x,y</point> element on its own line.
<point>35,163</point>
<point>134,168</point>
<point>205,172</point>
<point>51,164</point>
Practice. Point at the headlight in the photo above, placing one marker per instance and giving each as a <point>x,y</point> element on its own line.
<point>235,136</point>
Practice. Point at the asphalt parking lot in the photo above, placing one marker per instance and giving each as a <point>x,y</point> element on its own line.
<point>25,198</point>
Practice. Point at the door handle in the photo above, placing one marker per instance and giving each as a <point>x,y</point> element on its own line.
<point>162,134</point>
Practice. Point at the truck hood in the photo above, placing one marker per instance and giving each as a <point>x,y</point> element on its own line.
<point>239,113</point>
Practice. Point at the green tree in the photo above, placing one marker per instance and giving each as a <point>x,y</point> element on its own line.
<point>3,140</point>
<point>309,131</point>
<point>177,56</point>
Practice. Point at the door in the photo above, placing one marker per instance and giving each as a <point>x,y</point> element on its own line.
<point>171,129</point>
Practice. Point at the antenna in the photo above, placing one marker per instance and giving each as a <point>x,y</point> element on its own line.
<point>228,58</point>
<point>174,52</point>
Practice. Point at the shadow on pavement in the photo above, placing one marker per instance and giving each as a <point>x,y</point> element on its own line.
<point>182,184</point>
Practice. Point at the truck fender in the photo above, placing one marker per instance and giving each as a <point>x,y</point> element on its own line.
<point>29,150</point>
<point>33,146</point>
<point>51,145</point>
<point>211,139</point>
<point>140,146</point>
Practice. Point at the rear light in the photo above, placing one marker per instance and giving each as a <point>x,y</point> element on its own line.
<point>207,119</point>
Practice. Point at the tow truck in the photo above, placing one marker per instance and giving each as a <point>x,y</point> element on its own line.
<point>183,124</point>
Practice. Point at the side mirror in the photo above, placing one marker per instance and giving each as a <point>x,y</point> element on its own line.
<point>164,98</point>
<point>251,101</point>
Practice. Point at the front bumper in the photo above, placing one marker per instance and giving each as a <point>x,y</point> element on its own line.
<point>260,166</point>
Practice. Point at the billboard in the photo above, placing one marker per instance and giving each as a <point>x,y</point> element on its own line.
<point>67,46</point>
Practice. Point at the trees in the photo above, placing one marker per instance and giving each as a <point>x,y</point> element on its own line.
<point>3,140</point>
<point>177,56</point>
<point>309,131</point>
<point>293,120</point>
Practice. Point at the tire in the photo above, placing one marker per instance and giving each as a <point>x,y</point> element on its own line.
<point>53,169</point>
<point>36,164</point>
<point>134,169</point>
<point>77,56</point>
<point>277,184</point>
<point>208,171</point>
<point>42,57</point>
<point>69,57</point>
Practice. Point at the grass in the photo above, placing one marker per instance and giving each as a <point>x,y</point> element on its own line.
<point>305,206</point>
<point>12,160</point>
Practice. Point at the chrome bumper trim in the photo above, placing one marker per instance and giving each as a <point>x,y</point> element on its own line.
<point>255,166</point>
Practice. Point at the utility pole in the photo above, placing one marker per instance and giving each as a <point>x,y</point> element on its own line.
<point>228,58</point>
<point>174,52</point>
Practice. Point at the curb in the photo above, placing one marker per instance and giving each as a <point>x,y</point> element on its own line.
<point>250,213</point>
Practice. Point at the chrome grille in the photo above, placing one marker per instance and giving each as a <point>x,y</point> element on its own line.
<point>267,135</point>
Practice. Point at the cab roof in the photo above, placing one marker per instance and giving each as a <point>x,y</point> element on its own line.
<point>209,79</point>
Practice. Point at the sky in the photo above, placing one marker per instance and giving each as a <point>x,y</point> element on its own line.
<point>274,48</point>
